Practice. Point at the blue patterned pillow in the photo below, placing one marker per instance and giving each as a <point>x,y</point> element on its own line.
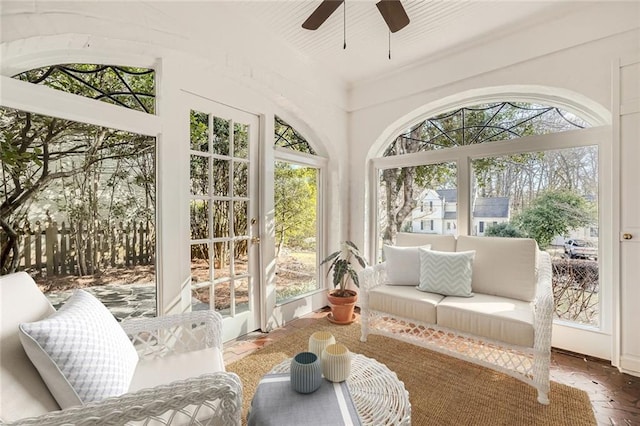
<point>446,273</point>
<point>80,351</point>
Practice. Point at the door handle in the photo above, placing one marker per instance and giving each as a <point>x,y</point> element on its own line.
<point>627,236</point>
<point>255,240</point>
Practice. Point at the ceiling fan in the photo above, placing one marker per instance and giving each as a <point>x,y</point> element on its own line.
<point>391,10</point>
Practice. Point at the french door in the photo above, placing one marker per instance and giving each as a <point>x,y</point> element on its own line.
<point>223,209</point>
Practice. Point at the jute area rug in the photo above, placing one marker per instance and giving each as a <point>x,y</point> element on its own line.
<point>442,390</point>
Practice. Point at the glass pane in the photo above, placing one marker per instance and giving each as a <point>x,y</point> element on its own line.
<point>220,136</point>
<point>221,260</point>
<point>220,177</point>
<point>199,175</point>
<point>220,219</point>
<point>296,200</point>
<point>91,227</point>
<point>240,179</point>
<point>222,301</point>
<point>128,87</point>
<point>199,131</point>
<point>240,218</point>
<point>417,199</point>
<point>200,276</point>
<point>242,295</point>
<point>550,196</point>
<point>199,219</point>
<point>241,140</point>
<point>241,256</point>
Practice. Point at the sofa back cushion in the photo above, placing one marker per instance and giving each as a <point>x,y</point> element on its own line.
<point>503,266</point>
<point>437,242</point>
<point>22,391</point>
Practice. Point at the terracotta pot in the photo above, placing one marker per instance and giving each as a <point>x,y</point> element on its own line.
<point>342,307</point>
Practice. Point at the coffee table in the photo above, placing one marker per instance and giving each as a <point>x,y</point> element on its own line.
<point>379,397</point>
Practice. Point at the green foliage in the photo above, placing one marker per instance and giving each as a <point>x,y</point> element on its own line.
<point>295,192</point>
<point>504,229</point>
<point>554,213</point>
<point>340,262</point>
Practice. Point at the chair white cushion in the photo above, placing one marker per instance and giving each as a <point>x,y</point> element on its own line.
<point>405,301</point>
<point>22,391</point>
<point>445,273</point>
<point>160,371</point>
<point>492,317</point>
<point>81,352</point>
<point>403,264</point>
<point>505,267</point>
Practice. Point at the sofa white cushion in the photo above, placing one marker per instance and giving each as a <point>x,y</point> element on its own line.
<point>504,267</point>
<point>160,371</point>
<point>437,242</point>
<point>81,351</point>
<point>22,391</point>
<point>446,273</point>
<point>492,317</point>
<point>405,301</point>
<point>403,264</point>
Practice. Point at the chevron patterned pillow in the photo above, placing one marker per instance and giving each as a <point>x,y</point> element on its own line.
<point>446,273</point>
<point>80,351</point>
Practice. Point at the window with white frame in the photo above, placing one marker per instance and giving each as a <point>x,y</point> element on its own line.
<point>498,170</point>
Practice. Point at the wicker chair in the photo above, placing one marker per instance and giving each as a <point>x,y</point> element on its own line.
<point>187,344</point>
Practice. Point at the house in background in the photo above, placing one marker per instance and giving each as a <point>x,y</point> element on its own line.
<point>437,212</point>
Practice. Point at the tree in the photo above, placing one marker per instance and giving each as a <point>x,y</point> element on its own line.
<point>554,213</point>
<point>504,229</point>
<point>295,192</point>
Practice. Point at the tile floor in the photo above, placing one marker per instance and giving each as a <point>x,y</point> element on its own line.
<point>615,396</point>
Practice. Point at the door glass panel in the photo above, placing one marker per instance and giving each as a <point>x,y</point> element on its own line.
<point>199,131</point>
<point>220,219</point>
<point>223,295</point>
<point>417,199</point>
<point>240,220</point>
<point>242,295</point>
<point>240,140</point>
<point>220,177</point>
<point>199,175</point>
<point>240,175</point>
<point>551,196</point>
<point>220,135</point>
<point>296,206</point>
<point>199,219</point>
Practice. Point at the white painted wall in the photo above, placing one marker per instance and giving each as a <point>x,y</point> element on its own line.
<point>568,63</point>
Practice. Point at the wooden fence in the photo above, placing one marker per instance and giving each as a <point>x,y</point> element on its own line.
<point>84,250</point>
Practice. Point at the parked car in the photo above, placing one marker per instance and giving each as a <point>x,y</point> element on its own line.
<point>580,249</point>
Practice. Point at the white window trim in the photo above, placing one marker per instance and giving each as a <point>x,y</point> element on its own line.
<point>463,155</point>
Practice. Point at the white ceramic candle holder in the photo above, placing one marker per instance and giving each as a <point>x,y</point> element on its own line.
<point>336,362</point>
<point>320,340</point>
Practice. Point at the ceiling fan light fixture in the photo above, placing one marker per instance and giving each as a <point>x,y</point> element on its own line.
<point>394,14</point>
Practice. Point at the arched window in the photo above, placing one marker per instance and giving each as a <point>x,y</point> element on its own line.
<point>78,200</point>
<point>502,169</point>
<point>128,87</point>
<point>298,213</point>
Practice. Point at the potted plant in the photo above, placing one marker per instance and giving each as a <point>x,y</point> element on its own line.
<point>341,299</point>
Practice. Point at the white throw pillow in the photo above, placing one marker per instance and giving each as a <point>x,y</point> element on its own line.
<point>446,273</point>
<point>81,352</point>
<point>403,264</point>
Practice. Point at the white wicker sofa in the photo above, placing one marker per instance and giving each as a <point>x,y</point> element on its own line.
<point>179,373</point>
<point>505,325</point>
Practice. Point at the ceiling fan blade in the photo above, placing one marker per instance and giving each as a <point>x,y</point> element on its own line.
<point>321,14</point>
<point>393,14</point>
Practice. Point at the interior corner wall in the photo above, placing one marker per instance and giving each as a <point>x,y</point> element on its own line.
<point>43,33</point>
<point>580,75</point>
